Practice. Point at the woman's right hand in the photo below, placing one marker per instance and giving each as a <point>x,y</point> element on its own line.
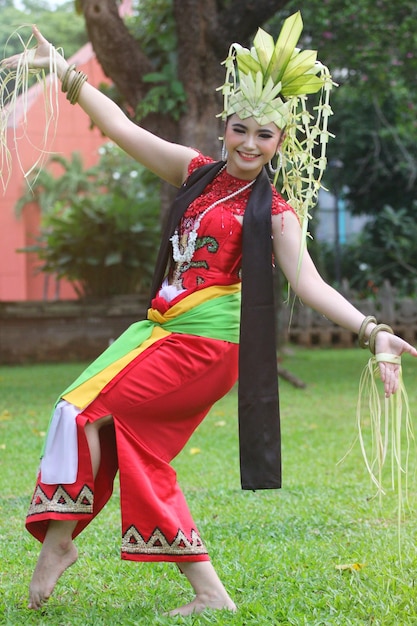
<point>39,57</point>
<point>167,160</point>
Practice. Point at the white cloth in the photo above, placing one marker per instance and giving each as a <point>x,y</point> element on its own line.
<point>59,464</point>
<point>169,292</point>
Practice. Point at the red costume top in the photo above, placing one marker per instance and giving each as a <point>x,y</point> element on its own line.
<point>218,252</point>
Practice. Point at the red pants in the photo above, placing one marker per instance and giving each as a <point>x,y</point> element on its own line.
<point>156,402</point>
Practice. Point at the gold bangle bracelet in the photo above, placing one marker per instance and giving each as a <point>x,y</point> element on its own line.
<point>374,333</point>
<point>75,87</point>
<point>65,79</point>
<point>361,335</point>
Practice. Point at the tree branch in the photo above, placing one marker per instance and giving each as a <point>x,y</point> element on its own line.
<point>117,51</point>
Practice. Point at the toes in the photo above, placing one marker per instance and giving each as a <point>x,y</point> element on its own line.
<point>36,600</point>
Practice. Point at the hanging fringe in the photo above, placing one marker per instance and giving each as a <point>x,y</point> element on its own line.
<point>388,421</point>
<point>14,106</point>
<point>390,426</point>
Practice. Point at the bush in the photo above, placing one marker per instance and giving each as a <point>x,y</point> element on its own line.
<point>104,237</point>
<point>384,251</point>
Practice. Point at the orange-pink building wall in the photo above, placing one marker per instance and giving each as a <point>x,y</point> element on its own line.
<point>19,277</point>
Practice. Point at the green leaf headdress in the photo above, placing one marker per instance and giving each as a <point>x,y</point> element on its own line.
<point>271,82</point>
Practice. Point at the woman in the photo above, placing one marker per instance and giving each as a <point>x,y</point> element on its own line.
<point>134,409</point>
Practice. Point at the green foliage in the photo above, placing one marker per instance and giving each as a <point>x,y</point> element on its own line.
<point>277,552</point>
<point>370,49</point>
<point>48,190</point>
<point>61,26</point>
<point>154,29</point>
<point>384,251</point>
<point>372,42</point>
<point>377,148</point>
<point>100,227</point>
<point>167,96</point>
<point>153,26</point>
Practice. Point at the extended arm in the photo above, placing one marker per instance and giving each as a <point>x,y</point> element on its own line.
<point>319,295</point>
<point>168,160</point>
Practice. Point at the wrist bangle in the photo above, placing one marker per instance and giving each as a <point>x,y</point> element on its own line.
<point>65,78</point>
<point>374,333</point>
<point>388,358</point>
<point>75,87</point>
<point>363,343</point>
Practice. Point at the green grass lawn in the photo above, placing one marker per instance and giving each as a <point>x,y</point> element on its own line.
<point>278,552</point>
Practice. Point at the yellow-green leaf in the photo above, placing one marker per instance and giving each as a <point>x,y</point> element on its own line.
<point>284,48</point>
<point>300,64</point>
<point>350,567</point>
<point>264,46</point>
<point>246,62</point>
<point>303,85</point>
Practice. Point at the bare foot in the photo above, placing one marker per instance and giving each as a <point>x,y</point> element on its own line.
<point>53,560</point>
<point>200,603</point>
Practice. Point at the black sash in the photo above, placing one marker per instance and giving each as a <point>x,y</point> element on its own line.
<point>259,423</point>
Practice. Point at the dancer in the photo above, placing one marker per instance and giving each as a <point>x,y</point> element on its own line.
<point>211,317</point>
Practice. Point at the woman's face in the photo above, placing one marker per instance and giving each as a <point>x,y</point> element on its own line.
<point>250,146</point>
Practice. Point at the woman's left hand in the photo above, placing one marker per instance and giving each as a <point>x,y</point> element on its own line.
<point>390,372</point>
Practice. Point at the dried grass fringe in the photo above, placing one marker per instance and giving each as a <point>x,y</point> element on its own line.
<point>14,102</point>
<point>389,422</point>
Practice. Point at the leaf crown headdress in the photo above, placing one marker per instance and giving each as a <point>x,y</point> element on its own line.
<point>271,82</point>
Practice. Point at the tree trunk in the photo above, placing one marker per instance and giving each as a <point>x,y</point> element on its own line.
<point>117,51</point>
<point>204,31</point>
<point>200,72</point>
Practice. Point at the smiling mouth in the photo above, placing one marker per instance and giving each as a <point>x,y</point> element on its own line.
<point>248,156</point>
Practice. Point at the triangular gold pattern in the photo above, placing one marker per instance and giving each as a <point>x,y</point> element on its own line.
<point>61,502</point>
<point>134,543</point>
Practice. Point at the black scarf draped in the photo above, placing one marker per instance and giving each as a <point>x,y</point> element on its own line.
<point>259,423</point>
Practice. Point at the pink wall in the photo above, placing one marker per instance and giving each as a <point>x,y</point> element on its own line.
<point>18,277</point>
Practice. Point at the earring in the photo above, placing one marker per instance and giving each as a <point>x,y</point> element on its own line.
<point>273,170</point>
<point>225,154</point>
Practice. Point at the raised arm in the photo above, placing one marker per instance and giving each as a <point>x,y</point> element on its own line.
<point>168,160</point>
<point>319,295</point>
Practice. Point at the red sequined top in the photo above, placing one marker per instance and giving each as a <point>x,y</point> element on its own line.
<point>218,250</point>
